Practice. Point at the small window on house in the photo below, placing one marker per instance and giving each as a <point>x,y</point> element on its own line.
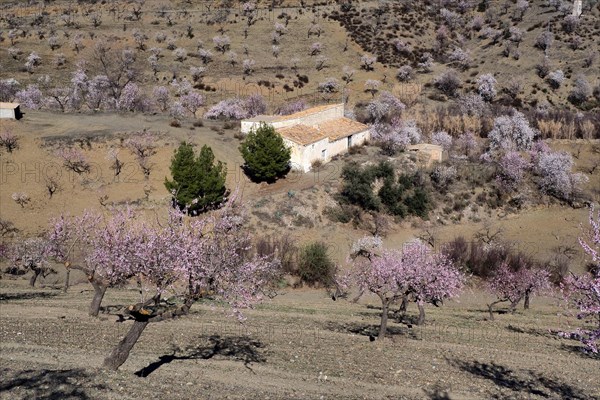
<point>324,154</point>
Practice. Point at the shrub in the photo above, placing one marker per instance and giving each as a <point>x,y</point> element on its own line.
<point>542,69</point>
<point>9,141</point>
<point>448,83</point>
<point>405,73</point>
<point>329,85</point>
<point>279,247</point>
<point>367,62</point>
<point>511,132</point>
<point>486,87</point>
<point>544,40</point>
<point>460,57</point>
<point>315,267</point>
<point>555,78</point>
<point>356,188</point>
<point>556,178</point>
<point>581,90</point>
<point>511,169</point>
<point>442,176</point>
<point>442,138</point>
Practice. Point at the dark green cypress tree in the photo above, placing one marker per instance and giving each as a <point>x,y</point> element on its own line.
<point>198,183</point>
<point>265,154</point>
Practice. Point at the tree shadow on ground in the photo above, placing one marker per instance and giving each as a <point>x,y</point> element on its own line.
<point>408,319</point>
<point>47,384</point>
<point>240,348</point>
<point>27,295</point>
<point>580,350</point>
<point>522,381</point>
<point>370,331</point>
<point>532,331</point>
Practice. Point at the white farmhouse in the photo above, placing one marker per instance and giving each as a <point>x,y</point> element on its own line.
<point>318,133</point>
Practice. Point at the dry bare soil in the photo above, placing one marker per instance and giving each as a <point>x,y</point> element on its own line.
<point>300,345</point>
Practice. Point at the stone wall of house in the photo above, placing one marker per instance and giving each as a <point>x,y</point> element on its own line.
<point>303,156</point>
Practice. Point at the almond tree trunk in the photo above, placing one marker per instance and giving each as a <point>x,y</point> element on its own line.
<point>384,318</point>
<point>491,308</point>
<point>120,353</point>
<point>404,304</point>
<point>67,277</point>
<point>421,319</point>
<point>526,304</point>
<point>99,291</point>
<point>514,304</point>
<point>36,273</point>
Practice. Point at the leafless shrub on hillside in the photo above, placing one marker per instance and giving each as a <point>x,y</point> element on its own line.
<point>143,145</point>
<point>9,141</point>
<point>115,163</point>
<point>589,59</point>
<point>7,227</point>
<point>52,184</point>
<point>21,198</point>
<point>73,159</point>
<point>448,83</point>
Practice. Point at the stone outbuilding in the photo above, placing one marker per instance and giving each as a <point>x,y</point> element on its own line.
<point>429,153</point>
<point>10,111</point>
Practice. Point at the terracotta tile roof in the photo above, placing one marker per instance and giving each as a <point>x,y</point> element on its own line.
<point>333,130</point>
<point>342,127</point>
<point>301,134</point>
<point>9,105</point>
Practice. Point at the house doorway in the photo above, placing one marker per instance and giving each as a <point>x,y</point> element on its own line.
<point>324,154</point>
<point>349,141</point>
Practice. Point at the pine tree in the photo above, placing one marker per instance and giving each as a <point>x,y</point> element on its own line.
<point>198,183</point>
<point>265,154</point>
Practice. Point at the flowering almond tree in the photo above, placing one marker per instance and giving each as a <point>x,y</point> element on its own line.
<point>175,263</point>
<point>105,244</point>
<point>514,286</point>
<point>415,273</point>
<point>583,291</point>
<point>382,275</point>
<point>431,277</point>
<point>31,255</point>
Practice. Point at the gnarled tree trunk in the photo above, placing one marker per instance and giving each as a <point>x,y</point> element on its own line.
<point>33,279</point>
<point>99,291</point>
<point>514,304</point>
<point>120,353</point>
<point>491,308</point>
<point>526,303</point>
